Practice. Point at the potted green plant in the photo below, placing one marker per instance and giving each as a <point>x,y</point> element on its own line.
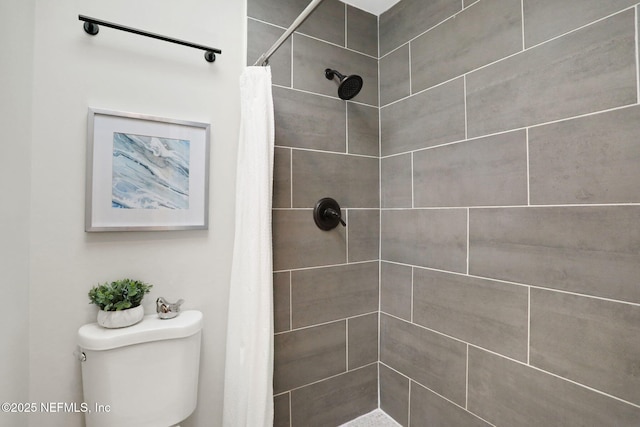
<point>119,302</point>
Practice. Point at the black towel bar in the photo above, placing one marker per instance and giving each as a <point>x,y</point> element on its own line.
<point>91,27</point>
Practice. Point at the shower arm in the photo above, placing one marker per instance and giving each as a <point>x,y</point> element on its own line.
<point>264,58</point>
<point>330,74</point>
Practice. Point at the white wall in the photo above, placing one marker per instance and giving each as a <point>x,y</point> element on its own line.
<point>118,71</point>
<point>16,64</point>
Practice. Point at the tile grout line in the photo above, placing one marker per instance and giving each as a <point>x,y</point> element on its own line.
<point>409,403</point>
<point>346,346</point>
<point>476,1</point>
<point>528,168</point>
<point>324,379</point>
<point>346,127</point>
<point>291,73</point>
<point>318,267</point>
<point>529,326</point>
<point>346,104</point>
<point>464,98</point>
<point>637,59</point>
<point>468,238</point>
<point>379,335</point>
<point>522,16</point>
<point>378,373</point>
<point>413,204</point>
<point>346,239</point>
<point>290,302</point>
<point>346,31</point>
<point>466,396</point>
<point>290,408</point>
<point>585,386</point>
<point>412,286</point>
<point>566,205</point>
<point>523,285</point>
<point>379,309</point>
<point>338,153</point>
<point>397,101</point>
<point>325,323</point>
<point>378,39</point>
<point>410,74</point>
<point>290,178</point>
<point>311,209</point>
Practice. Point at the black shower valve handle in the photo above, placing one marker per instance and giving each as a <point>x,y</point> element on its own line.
<point>333,213</point>
<point>327,214</point>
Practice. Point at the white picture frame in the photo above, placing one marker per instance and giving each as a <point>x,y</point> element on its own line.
<point>146,173</point>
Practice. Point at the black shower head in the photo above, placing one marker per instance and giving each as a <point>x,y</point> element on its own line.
<point>349,85</point>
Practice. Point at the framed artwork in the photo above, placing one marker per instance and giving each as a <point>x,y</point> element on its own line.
<point>146,173</point>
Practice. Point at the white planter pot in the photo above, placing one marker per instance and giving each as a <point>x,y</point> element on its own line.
<point>120,319</point>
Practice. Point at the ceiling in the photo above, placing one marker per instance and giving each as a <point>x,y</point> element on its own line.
<point>372,6</point>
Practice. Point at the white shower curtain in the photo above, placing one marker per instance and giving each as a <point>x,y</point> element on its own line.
<point>248,385</point>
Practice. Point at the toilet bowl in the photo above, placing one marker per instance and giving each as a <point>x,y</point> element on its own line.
<point>144,375</point>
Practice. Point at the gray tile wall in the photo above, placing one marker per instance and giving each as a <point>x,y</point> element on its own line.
<point>510,213</point>
<point>326,283</point>
<point>489,176</point>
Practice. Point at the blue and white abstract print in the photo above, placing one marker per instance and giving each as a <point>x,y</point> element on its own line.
<point>150,172</point>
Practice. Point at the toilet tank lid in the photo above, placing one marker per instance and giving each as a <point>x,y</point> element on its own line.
<point>151,328</point>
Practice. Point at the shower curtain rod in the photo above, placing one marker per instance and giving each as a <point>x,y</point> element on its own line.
<point>264,59</point>
<point>91,27</point>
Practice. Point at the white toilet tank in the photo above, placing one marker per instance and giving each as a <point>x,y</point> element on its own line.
<point>144,375</point>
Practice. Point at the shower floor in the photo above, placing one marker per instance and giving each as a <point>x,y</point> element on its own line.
<point>377,418</point>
